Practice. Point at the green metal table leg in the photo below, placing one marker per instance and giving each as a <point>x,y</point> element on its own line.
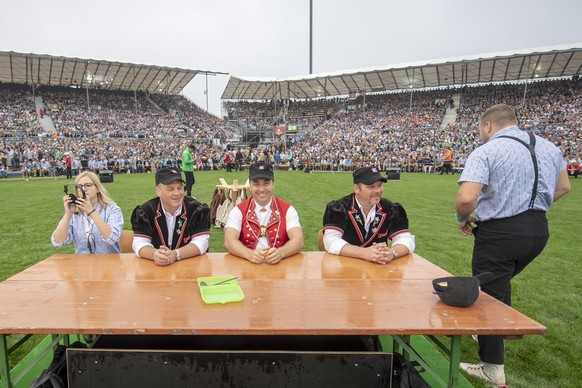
<point>406,339</point>
<point>400,343</point>
<point>455,359</point>
<point>65,339</point>
<point>4,365</point>
<point>395,345</point>
<point>453,351</point>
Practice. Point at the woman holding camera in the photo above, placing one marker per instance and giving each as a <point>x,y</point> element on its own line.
<point>91,220</point>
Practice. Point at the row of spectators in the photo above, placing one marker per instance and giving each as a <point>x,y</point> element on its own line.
<point>17,112</point>
<point>262,115</point>
<point>392,131</point>
<point>105,114</point>
<point>138,132</point>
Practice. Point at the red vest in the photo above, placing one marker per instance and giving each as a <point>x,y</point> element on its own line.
<point>276,232</point>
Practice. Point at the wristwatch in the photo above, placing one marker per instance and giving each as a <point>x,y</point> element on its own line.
<point>394,252</point>
<point>178,255</point>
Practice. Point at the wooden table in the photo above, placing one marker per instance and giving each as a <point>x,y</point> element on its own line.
<point>311,293</point>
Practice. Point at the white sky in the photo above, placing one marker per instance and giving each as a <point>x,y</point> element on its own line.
<point>270,38</point>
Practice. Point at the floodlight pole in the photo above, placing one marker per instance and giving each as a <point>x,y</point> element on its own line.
<point>29,61</point>
<point>410,105</point>
<point>206,73</point>
<point>310,36</point>
<point>411,90</point>
<point>134,90</point>
<point>206,92</point>
<point>525,87</point>
<point>87,90</point>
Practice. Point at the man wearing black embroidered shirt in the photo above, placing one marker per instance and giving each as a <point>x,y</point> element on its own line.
<point>360,224</point>
<point>171,226</point>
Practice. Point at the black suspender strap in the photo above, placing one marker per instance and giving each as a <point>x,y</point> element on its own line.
<point>531,147</point>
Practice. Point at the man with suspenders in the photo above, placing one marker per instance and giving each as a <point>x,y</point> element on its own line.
<point>510,182</point>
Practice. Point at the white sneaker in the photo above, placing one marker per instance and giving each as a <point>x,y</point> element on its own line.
<point>491,373</point>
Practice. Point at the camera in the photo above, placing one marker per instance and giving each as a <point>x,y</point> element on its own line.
<point>73,196</point>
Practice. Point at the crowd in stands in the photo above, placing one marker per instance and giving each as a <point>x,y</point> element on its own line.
<point>392,131</point>
<point>387,130</point>
<point>116,130</point>
<point>253,115</point>
<point>263,115</point>
<point>135,132</point>
<point>126,115</point>
<point>192,117</point>
<point>551,109</point>
<point>17,112</point>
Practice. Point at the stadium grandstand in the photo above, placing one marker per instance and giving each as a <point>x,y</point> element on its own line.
<point>116,115</point>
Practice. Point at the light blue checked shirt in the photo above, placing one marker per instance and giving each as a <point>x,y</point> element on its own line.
<point>506,169</point>
<point>83,231</point>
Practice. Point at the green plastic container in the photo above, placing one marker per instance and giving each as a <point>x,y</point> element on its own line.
<point>226,292</point>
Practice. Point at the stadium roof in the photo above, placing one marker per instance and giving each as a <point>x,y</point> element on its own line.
<point>543,62</point>
<point>51,70</point>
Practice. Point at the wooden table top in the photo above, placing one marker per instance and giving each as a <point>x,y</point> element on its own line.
<point>309,293</point>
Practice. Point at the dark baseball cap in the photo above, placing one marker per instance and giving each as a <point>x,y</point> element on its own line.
<point>166,176</point>
<point>368,175</point>
<point>261,170</point>
<point>460,291</point>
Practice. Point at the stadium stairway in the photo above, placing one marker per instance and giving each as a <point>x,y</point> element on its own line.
<point>159,108</point>
<point>46,121</point>
<point>451,113</point>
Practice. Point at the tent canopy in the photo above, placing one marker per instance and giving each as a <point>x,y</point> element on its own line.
<point>540,63</point>
<point>34,69</point>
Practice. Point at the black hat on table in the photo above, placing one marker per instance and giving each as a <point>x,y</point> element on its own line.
<point>261,170</point>
<point>460,291</point>
<point>368,175</point>
<point>166,176</point>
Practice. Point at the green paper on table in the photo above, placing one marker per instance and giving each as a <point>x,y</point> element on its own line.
<point>220,289</point>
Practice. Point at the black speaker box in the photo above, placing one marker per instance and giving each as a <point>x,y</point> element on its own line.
<point>106,176</point>
<point>393,173</point>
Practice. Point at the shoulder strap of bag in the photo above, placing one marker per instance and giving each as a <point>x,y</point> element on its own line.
<point>47,379</point>
<point>404,374</point>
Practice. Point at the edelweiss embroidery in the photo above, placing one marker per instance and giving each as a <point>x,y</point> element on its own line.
<point>179,226</point>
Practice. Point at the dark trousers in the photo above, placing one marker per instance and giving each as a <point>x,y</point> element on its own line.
<point>505,247</point>
<point>69,173</point>
<point>447,167</point>
<point>189,182</point>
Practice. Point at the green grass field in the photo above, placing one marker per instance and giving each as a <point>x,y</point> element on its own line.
<point>549,290</point>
